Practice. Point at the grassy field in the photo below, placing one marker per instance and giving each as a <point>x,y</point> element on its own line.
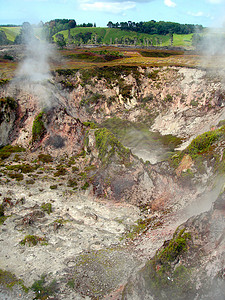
<point>11,32</point>
<point>108,35</point>
<point>114,35</point>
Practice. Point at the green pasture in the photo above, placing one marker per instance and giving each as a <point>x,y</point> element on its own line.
<point>11,32</point>
<point>109,35</point>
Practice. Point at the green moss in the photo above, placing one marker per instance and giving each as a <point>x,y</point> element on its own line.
<point>61,171</point>
<point>201,147</point>
<point>194,103</point>
<point>147,99</point>
<point>154,75</point>
<point>110,73</point>
<point>85,186</point>
<point>2,215</point>
<point>6,151</point>
<point>90,124</point>
<point>176,247</point>
<point>30,181</point>
<point>8,280</point>
<point>168,98</point>
<point>45,158</point>
<point>66,72</point>
<point>72,182</point>
<point>202,142</point>
<point>141,226</point>
<point>3,81</point>
<point>42,289</point>
<point>38,129</point>
<point>24,168</point>
<point>33,240</point>
<point>53,187</point>
<point>162,278</point>
<point>75,169</point>
<point>108,146</point>
<point>8,102</point>
<point>1,210</point>
<point>47,207</point>
<point>17,176</point>
<point>125,90</point>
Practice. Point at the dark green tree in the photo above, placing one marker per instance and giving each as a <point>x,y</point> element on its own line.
<point>60,40</point>
<point>3,38</point>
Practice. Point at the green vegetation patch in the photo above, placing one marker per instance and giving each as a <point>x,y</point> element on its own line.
<point>42,289</point>
<point>162,277</point>
<point>6,151</point>
<point>202,142</point>
<point>90,124</point>
<point>8,102</point>
<point>33,240</point>
<point>24,168</point>
<point>45,158</point>
<point>110,73</point>
<point>160,53</point>
<point>141,226</point>
<point>67,72</point>
<point>61,171</point>
<point>38,129</point>
<point>47,207</point>
<point>200,146</point>
<point>3,81</point>
<point>97,273</point>
<point>108,146</point>
<point>2,214</point>
<point>17,176</point>
<point>8,280</point>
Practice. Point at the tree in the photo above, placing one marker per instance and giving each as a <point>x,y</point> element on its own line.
<point>26,34</point>
<point>72,23</point>
<point>60,40</point>
<point>3,38</point>
<point>110,24</point>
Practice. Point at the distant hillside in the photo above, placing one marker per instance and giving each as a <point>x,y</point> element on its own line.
<point>83,35</point>
<point>101,35</point>
<point>11,32</point>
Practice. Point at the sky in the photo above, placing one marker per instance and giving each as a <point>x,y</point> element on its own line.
<point>209,13</point>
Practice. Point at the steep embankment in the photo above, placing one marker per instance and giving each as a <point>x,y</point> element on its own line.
<point>76,200</point>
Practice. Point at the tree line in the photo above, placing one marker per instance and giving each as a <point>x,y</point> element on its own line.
<point>153,27</point>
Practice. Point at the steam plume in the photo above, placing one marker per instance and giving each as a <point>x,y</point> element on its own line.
<point>33,74</point>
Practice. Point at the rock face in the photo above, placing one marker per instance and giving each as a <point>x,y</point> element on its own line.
<point>190,265</point>
<point>76,201</point>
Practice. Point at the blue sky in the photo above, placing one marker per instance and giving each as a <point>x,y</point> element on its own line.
<point>210,13</point>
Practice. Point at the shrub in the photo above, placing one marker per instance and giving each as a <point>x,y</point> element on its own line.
<point>38,129</point>
<point>53,187</point>
<point>24,168</point>
<point>17,176</point>
<point>61,171</point>
<point>108,146</point>
<point>42,290</point>
<point>168,98</point>
<point>45,158</point>
<point>47,207</point>
<point>202,142</point>
<point>8,102</point>
<point>6,151</point>
<point>33,240</point>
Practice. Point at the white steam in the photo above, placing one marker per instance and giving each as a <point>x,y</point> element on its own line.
<point>35,67</point>
<point>33,75</point>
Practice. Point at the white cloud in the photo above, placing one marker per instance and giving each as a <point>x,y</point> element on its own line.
<point>216,1</point>
<point>197,14</point>
<point>113,7</point>
<point>169,3</point>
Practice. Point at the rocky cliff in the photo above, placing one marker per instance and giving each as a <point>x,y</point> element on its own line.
<point>76,200</point>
